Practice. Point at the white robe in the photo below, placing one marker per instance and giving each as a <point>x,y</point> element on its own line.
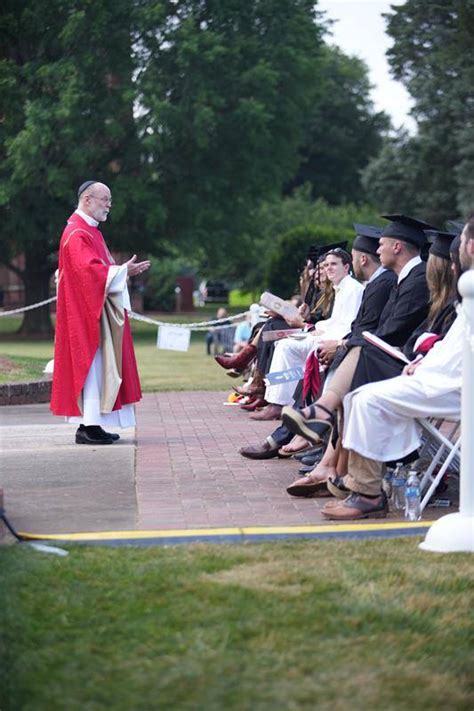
<point>380,417</point>
<point>91,414</point>
<point>290,353</point>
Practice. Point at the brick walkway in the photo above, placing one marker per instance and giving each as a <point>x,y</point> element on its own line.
<point>180,469</point>
<point>189,473</point>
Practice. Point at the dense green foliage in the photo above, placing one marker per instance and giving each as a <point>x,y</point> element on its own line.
<point>278,216</point>
<point>66,87</point>
<point>187,110</point>
<point>432,173</point>
<point>288,256</point>
<point>160,286</point>
<point>343,131</point>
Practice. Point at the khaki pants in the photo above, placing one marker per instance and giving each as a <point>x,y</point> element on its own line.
<point>365,475</point>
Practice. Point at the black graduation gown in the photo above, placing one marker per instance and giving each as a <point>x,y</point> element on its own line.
<point>374,298</point>
<point>381,366</point>
<point>406,308</point>
<point>440,325</point>
<point>405,311</point>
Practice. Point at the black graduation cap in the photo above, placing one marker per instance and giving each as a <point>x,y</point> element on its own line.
<point>84,186</point>
<point>455,226</point>
<point>440,243</point>
<point>406,229</point>
<point>367,239</point>
<point>316,252</point>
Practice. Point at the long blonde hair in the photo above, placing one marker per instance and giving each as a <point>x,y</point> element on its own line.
<point>325,299</point>
<point>441,284</point>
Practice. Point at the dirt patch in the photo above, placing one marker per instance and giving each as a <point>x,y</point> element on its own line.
<point>272,577</point>
<point>8,366</point>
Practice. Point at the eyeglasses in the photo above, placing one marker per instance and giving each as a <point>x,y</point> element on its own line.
<point>104,200</point>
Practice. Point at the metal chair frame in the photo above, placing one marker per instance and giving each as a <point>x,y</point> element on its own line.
<point>447,446</point>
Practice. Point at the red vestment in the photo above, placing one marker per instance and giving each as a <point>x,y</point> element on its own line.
<point>84,262</point>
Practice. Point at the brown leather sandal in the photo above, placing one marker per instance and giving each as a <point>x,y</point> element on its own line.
<point>313,429</point>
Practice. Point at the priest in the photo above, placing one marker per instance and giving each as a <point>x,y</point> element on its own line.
<point>95,378</point>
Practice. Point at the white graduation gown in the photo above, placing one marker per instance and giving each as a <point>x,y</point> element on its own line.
<point>290,353</point>
<point>380,417</point>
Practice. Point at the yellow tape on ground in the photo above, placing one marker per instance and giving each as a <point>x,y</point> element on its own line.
<point>218,532</point>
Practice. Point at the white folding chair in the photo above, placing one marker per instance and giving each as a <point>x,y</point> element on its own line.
<point>440,446</point>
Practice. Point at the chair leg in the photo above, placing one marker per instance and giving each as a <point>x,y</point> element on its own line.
<point>440,474</point>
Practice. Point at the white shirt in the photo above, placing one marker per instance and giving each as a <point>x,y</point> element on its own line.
<point>376,274</point>
<point>346,305</point>
<point>90,220</point>
<point>408,267</point>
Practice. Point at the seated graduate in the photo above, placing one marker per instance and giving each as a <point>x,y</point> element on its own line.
<point>379,283</point>
<point>442,274</point>
<point>319,295</point>
<point>291,353</point>
<point>441,280</point>
<point>380,418</point>
<point>406,308</point>
<point>318,304</point>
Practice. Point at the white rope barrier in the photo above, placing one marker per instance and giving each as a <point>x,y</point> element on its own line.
<point>197,326</point>
<point>28,308</point>
<point>218,323</point>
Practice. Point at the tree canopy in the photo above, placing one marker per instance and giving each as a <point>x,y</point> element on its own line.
<point>432,55</point>
<point>343,131</point>
<point>192,111</point>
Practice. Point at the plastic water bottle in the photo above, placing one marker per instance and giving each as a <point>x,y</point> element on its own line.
<point>412,497</point>
<point>387,482</point>
<point>397,501</point>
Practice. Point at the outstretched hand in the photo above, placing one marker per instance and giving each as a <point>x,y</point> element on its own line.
<point>134,267</point>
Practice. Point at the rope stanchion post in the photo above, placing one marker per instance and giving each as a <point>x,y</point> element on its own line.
<point>455,532</point>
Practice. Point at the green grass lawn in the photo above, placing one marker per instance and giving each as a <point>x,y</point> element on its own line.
<point>159,369</point>
<point>302,625</point>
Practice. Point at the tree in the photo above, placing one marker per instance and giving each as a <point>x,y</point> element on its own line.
<point>343,131</point>
<point>280,215</point>
<point>224,90</point>
<point>191,111</point>
<point>432,56</point>
<point>67,115</point>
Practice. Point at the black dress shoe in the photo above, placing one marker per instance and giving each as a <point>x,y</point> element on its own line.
<point>92,435</point>
<point>263,451</point>
<point>112,435</point>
